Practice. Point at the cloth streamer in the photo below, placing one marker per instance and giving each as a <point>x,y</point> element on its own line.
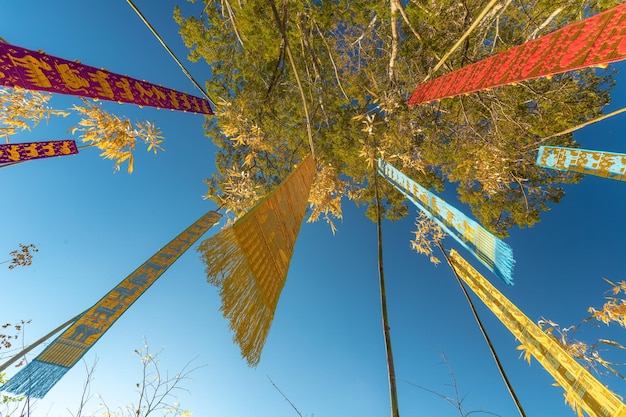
<point>249,261</point>
<point>595,41</point>
<point>581,388</point>
<point>488,249</point>
<point>601,164</point>
<point>37,71</point>
<point>19,152</point>
<point>40,375</point>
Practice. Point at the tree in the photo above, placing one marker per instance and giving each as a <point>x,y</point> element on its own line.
<point>115,136</point>
<point>22,256</point>
<point>156,390</point>
<point>355,64</point>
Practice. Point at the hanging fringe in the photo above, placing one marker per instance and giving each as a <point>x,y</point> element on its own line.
<point>35,379</point>
<point>249,261</point>
<point>488,249</point>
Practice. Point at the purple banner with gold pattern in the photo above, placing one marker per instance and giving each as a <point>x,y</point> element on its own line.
<point>37,71</point>
<point>19,152</point>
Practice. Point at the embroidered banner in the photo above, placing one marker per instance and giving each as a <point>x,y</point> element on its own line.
<point>37,71</point>
<point>18,152</point>
<point>601,164</point>
<point>595,41</point>
<point>488,249</point>
<point>579,384</point>
<point>249,261</point>
<point>40,375</point>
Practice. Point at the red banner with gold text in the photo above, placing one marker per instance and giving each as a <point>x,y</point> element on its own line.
<point>595,41</point>
<point>19,152</point>
<point>37,71</point>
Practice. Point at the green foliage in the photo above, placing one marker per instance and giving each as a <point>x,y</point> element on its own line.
<point>358,61</point>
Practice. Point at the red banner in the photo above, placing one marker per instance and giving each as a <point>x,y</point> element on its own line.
<point>595,41</point>
<point>37,71</point>
<point>19,152</point>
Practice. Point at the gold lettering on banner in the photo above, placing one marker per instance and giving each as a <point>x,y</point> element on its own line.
<point>104,88</point>
<point>34,69</point>
<point>144,94</point>
<point>71,77</point>
<point>126,93</point>
<point>31,150</point>
<point>580,386</point>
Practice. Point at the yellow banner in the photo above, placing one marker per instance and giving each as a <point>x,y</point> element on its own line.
<point>249,261</point>
<point>580,386</point>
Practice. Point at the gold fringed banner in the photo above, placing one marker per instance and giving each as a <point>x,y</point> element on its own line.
<point>581,388</point>
<point>249,261</point>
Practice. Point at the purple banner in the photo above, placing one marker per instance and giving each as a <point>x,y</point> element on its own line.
<point>37,71</point>
<point>18,152</point>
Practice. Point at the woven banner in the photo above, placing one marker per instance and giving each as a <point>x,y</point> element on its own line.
<point>37,71</point>
<point>249,261</point>
<point>18,152</point>
<point>488,249</point>
<point>40,375</point>
<point>595,41</point>
<point>580,386</point>
<point>601,164</point>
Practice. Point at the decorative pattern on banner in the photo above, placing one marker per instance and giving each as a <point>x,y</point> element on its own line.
<point>37,71</point>
<point>40,375</point>
<point>488,249</point>
<point>579,384</point>
<point>601,164</point>
<point>18,152</point>
<point>595,41</point>
<point>249,261</point>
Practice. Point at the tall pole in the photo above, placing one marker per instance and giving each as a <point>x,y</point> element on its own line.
<point>393,392</point>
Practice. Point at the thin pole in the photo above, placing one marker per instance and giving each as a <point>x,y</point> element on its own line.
<point>487,339</point>
<point>40,341</point>
<point>393,392</point>
<point>167,48</point>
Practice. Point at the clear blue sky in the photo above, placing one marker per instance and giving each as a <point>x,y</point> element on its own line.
<point>325,349</point>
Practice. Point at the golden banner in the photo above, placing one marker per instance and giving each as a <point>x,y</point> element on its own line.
<point>580,386</point>
<point>249,261</point>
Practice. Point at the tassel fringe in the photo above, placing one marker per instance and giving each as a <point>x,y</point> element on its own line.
<point>504,262</point>
<point>35,379</point>
<point>244,303</point>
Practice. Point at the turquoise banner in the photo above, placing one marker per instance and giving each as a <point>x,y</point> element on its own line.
<point>488,249</point>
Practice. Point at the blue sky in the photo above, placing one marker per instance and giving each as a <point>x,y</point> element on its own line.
<point>325,350</point>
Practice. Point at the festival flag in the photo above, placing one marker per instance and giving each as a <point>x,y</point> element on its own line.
<point>19,152</point>
<point>37,71</point>
<point>488,249</point>
<point>249,261</point>
<point>40,375</point>
<point>595,41</point>
<point>601,164</point>
<point>581,388</point>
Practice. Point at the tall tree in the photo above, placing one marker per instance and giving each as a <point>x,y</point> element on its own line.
<point>356,63</point>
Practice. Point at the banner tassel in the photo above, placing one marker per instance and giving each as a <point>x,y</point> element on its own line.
<point>35,379</point>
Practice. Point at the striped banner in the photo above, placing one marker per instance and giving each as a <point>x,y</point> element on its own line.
<point>19,152</point>
<point>40,375</point>
<point>581,388</point>
<point>595,41</point>
<point>37,71</point>
<point>249,261</point>
<point>601,164</point>
<point>488,249</point>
